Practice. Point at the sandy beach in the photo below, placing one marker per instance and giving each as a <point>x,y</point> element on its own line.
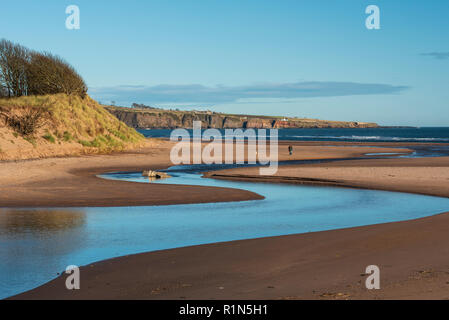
<point>321,265</point>
<point>72,181</point>
<point>224,151</point>
<point>427,176</point>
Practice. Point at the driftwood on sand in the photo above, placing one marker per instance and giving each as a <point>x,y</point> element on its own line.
<point>155,174</point>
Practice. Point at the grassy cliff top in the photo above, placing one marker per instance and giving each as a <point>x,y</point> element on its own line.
<point>39,126</point>
<point>178,114</point>
<point>158,111</point>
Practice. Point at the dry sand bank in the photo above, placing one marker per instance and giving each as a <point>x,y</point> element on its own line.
<point>428,176</point>
<point>71,181</point>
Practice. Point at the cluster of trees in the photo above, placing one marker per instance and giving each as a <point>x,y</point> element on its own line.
<point>143,106</point>
<point>28,72</point>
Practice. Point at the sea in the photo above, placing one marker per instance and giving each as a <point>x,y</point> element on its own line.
<point>402,134</point>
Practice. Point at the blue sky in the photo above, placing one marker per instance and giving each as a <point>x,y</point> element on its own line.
<point>311,59</point>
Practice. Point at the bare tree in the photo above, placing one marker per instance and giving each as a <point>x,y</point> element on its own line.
<point>13,63</point>
<point>3,92</point>
<point>25,72</point>
<point>50,74</point>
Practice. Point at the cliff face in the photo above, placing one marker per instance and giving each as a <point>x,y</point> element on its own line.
<point>164,119</point>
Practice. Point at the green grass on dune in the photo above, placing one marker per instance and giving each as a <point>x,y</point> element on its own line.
<point>73,119</point>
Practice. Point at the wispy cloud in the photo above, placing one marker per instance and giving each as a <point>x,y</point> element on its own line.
<point>226,94</point>
<point>437,55</point>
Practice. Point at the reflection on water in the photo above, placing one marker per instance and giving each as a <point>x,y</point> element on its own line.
<point>32,243</point>
<point>36,244</point>
<point>16,222</point>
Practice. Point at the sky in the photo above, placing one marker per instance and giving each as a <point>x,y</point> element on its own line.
<point>313,58</point>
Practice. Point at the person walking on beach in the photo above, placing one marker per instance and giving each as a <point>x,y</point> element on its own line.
<point>290,150</point>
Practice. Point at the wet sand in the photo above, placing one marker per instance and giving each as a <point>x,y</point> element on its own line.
<point>429,176</point>
<point>412,255</point>
<point>71,181</point>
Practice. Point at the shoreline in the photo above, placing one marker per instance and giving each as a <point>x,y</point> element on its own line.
<point>317,265</point>
<point>72,181</point>
<point>320,265</point>
<point>335,174</point>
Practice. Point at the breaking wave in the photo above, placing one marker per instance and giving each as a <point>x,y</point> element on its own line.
<point>377,138</point>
